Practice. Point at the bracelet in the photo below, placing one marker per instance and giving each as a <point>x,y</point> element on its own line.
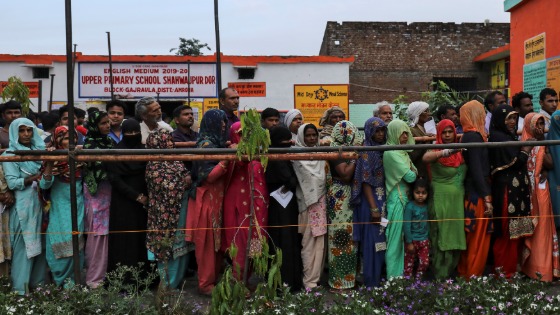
<point>222,165</point>
<point>374,210</point>
<point>140,197</point>
<point>526,153</point>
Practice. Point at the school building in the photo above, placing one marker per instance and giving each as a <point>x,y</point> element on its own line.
<point>310,83</point>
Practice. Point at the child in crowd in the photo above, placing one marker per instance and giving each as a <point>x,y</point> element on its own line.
<point>416,229</point>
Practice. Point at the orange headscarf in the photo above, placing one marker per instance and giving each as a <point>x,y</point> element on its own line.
<point>456,159</point>
<point>529,125</point>
<point>473,117</point>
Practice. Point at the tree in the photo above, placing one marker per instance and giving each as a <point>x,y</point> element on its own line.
<point>16,90</point>
<point>190,47</point>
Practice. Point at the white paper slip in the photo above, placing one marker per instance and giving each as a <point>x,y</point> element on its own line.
<point>542,185</point>
<point>430,127</point>
<point>384,222</point>
<point>282,198</point>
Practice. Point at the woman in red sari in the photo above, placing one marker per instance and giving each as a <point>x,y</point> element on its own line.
<point>237,209</point>
<point>540,253</point>
<point>204,216</point>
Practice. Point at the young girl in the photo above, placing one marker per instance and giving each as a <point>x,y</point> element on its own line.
<point>416,229</point>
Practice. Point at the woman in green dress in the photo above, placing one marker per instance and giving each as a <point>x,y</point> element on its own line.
<point>447,170</point>
<point>343,256</point>
<point>399,171</point>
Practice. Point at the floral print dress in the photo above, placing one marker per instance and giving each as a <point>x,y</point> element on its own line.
<point>166,186</point>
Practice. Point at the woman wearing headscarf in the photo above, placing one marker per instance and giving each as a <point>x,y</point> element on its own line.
<point>237,209</point>
<point>478,195</point>
<point>97,200</point>
<point>554,174</point>
<point>399,172</point>
<point>368,200</point>
<point>28,260</point>
<point>540,257</point>
<point>510,190</point>
<point>204,219</point>
<point>282,221</point>
<point>166,183</point>
<point>293,120</point>
<point>311,195</point>
<point>56,178</point>
<point>447,171</point>
<point>6,201</point>
<point>418,114</point>
<point>330,117</point>
<point>129,196</point>
<point>342,254</point>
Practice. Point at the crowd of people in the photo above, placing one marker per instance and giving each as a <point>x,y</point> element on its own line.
<point>438,212</point>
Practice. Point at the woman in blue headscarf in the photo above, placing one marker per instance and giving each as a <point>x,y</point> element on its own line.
<point>368,199</point>
<point>28,260</point>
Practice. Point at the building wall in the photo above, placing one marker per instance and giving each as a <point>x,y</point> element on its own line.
<point>528,19</point>
<point>280,80</point>
<point>396,58</point>
<point>278,72</point>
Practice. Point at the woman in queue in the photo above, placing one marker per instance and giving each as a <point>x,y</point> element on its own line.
<point>399,173</point>
<point>447,171</point>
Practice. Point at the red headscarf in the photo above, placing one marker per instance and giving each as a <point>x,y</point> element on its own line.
<point>454,160</point>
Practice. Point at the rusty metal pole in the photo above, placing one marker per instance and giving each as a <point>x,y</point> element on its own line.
<point>52,88</point>
<point>218,57</point>
<point>40,101</point>
<point>110,66</point>
<point>72,145</point>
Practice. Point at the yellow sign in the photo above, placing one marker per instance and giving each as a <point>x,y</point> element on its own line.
<point>313,100</point>
<point>553,73</point>
<point>211,103</point>
<point>499,74</point>
<point>535,48</point>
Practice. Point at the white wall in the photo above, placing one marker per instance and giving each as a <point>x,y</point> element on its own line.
<point>279,78</point>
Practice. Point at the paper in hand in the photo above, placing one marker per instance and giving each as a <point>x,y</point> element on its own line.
<point>282,198</point>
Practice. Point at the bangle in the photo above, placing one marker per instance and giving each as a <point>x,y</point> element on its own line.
<point>140,197</point>
<point>374,210</point>
<point>526,153</point>
<point>221,165</point>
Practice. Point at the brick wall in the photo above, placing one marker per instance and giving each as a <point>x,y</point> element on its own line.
<point>405,57</point>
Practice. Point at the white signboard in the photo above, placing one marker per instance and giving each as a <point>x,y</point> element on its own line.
<point>146,79</point>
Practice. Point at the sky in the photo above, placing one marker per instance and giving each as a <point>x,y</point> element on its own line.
<point>247,27</point>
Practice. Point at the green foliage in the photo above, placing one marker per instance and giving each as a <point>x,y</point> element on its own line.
<point>126,291</point>
<point>230,294</point>
<point>17,91</point>
<point>439,94</point>
<point>255,140</point>
<point>401,104</point>
<point>189,47</point>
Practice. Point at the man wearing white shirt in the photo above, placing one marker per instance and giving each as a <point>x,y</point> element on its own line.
<point>522,103</point>
<point>549,104</point>
<point>149,111</point>
<point>492,100</point>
